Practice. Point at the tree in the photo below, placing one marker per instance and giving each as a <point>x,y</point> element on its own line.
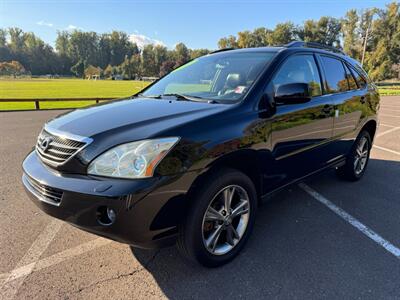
<point>108,71</point>
<point>166,67</point>
<point>62,42</point>
<point>13,68</point>
<point>16,39</point>
<point>83,47</point>
<point>160,55</point>
<point>326,31</point>
<point>352,43</point>
<point>3,37</point>
<point>383,49</point>
<point>181,54</point>
<point>79,68</point>
<point>260,36</point>
<point>120,46</point>
<point>198,52</point>
<point>229,42</point>
<point>114,51</point>
<point>396,69</point>
<point>282,34</point>
<point>148,63</point>
<point>131,66</point>
<point>92,71</point>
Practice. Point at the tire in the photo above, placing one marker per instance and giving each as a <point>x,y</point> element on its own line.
<point>351,171</point>
<point>195,241</point>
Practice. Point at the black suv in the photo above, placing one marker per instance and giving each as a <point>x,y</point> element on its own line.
<point>189,158</point>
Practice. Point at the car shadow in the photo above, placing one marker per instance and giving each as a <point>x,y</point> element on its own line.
<point>293,253</point>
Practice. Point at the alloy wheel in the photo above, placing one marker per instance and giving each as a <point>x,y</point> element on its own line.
<point>226,219</point>
<point>361,155</point>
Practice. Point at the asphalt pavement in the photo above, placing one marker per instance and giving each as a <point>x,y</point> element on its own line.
<point>327,238</point>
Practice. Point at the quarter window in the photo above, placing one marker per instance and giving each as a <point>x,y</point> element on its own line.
<point>360,80</point>
<point>299,69</point>
<point>350,79</point>
<point>335,75</point>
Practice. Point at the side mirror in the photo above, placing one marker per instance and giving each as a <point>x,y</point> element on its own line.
<point>292,93</point>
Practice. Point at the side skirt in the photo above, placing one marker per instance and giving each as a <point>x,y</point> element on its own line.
<point>268,196</point>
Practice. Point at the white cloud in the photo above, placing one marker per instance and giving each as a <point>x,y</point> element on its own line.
<point>43,23</point>
<point>73,27</point>
<point>142,40</point>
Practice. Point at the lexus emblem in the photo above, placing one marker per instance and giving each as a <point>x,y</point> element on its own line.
<point>45,143</point>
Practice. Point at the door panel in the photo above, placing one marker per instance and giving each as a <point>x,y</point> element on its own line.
<point>348,103</point>
<point>301,133</point>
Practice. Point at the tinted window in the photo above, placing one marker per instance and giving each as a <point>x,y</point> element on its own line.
<point>335,75</point>
<point>299,69</point>
<point>360,80</point>
<point>350,79</point>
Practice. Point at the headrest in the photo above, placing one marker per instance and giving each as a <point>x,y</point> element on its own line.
<point>233,80</point>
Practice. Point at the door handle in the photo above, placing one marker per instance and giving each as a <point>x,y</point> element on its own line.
<point>362,99</point>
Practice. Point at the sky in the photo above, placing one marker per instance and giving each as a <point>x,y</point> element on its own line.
<point>198,24</point>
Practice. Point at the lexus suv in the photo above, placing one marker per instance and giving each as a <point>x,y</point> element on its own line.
<point>188,159</point>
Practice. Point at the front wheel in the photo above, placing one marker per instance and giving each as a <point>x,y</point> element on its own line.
<point>220,219</point>
<point>357,160</point>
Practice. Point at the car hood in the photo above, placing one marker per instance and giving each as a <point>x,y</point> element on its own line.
<point>148,115</point>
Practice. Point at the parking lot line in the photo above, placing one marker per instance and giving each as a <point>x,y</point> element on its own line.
<point>386,149</point>
<point>388,131</point>
<point>54,259</point>
<point>390,109</point>
<point>30,258</point>
<point>352,221</point>
<point>390,105</point>
<point>391,116</point>
<point>387,125</point>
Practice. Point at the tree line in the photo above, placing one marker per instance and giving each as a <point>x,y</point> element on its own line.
<point>371,36</point>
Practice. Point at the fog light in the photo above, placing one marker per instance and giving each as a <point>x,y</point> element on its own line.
<point>111,214</point>
<point>106,216</point>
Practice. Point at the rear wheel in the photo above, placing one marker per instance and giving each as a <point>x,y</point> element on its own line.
<point>357,160</point>
<point>220,220</point>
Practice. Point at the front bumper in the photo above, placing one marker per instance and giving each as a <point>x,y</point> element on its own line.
<point>148,211</point>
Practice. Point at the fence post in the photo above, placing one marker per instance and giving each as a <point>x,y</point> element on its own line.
<point>37,107</point>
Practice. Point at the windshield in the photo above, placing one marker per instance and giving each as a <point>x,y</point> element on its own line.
<point>221,77</point>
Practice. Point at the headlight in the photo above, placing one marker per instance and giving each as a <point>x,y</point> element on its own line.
<point>132,160</point>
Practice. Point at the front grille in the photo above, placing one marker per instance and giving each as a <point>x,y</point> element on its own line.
<point>43,192</point>
<point>56,150</point>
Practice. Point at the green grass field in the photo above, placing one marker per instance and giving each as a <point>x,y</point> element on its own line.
<point>63,88</point>
<point>75,88</point>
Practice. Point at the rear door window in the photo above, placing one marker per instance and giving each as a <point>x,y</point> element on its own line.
<point>335,75</point>
<point>299,69</point>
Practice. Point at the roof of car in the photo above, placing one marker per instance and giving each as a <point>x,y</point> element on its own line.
<point>296,46</point>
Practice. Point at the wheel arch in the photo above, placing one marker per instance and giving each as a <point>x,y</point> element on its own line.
<point>370,127</point>
<point>246,161</point>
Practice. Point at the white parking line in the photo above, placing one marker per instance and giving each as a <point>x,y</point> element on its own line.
<point>386,149</point>
<point>390,105</point>
<point>54,259</point>
<point>352,221</point>
<point>388,131</point>
<point>387,125</point>
<point>391,116</point>
<point>390,109</point>
<point>29,260</point>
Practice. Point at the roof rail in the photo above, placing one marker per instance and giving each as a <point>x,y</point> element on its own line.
<point>221,50</point>
<point>314,45</point>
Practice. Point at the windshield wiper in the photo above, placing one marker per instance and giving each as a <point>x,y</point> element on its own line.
<point>180,97</point>
<point>150,96</point>
<point>189,98</point>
